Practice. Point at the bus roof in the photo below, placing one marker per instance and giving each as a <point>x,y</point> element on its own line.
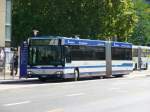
<point>87,42</point>
<point>47,37</point>
<point>142,47</point>
<point>121,44</point>
<point>72,41</point>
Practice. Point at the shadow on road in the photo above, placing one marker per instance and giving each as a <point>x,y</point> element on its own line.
<point>11,82</point>
<point>37,81</point>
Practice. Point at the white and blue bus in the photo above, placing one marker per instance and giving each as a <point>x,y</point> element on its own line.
<point>141,57</point>
<point>62,57</point>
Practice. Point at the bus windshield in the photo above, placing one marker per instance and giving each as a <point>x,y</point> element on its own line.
<point>45,55</point>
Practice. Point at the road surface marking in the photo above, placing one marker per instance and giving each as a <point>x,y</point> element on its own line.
<point>18,103</point>
<point>120,83</point>
<point>56,110</point>
<point>75,94</point>
<point>114,89</point>
<point>123,91</point>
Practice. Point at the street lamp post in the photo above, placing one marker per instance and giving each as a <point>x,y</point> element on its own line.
<point>35,32</point>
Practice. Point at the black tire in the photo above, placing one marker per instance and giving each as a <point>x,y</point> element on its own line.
<point>43,79</point>
<point>146,66</point>
<point>135,66</point>
<point>119,75</point>
<point>76,75</point>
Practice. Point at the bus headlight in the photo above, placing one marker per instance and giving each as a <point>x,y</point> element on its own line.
<point>29,72</point>
<point>59,72</point>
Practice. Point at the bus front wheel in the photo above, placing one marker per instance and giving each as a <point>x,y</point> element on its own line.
<point>42,79</point>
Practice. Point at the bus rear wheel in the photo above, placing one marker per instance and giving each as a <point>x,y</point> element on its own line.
<point>135,67</point>
<point>76,74</point>
<point>146,67</point>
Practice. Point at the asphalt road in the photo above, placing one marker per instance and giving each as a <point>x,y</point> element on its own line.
<point>101,95</point>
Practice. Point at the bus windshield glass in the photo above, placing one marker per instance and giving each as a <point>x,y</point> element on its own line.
<point>45,55</point>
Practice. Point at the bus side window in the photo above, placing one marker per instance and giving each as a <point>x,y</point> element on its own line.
<point>67,54</point>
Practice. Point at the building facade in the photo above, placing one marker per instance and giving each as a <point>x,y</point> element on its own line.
<point>5,23</point>
<point>2,22</point>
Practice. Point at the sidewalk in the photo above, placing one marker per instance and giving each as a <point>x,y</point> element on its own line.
<point>6,75</point>
<point>138,73</point>
<point>7,78</point>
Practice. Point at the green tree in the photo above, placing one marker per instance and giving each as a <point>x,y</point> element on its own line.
<point>141,33</point>
<point>118,18</point>
<point>87,18</point>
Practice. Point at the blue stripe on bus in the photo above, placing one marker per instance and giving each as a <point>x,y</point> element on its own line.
<point>82,73</point>
<point>67,67</point>
<point>87,42</point>
<point>121,44</point>
<point>99,66</point>
<point>123,65</point>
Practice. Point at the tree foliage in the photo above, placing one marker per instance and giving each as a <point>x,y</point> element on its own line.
<point>87,18</point>
<point>118,18</point>
<point>141,33</point>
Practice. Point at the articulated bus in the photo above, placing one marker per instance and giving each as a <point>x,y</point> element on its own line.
<point>62,57</point>
<point>141,57</point>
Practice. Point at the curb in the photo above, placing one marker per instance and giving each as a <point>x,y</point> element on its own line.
<point>17,81</point>
<point>137,75</point>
